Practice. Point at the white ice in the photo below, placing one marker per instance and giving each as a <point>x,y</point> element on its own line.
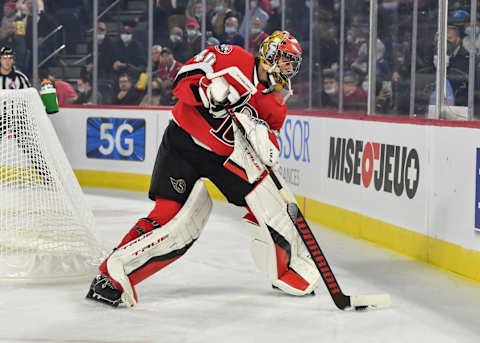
<point>216,294</point>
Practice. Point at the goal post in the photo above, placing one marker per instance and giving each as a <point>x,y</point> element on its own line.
<point>47,229</point>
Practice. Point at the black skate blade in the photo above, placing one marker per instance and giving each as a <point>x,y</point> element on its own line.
<point>275,287</point>
<point>91,295</point>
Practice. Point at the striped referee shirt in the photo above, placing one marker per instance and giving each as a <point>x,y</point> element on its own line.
<point>15,80</point>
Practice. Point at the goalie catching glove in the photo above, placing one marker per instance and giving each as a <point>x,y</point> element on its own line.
<point>216,94</point>
<point>263,140</point>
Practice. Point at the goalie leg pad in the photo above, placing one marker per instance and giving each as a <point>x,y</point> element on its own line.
<point>277,248</point>
<point>154,250</point>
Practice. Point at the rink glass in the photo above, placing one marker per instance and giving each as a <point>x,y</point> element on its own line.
<point>334,35</point>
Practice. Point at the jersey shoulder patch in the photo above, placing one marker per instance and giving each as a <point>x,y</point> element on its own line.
<point>224,49</point>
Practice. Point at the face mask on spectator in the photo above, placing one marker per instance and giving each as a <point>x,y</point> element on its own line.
<point>175,38</point>
<point>336,6</point>
<point>435,60</point>
<point>365,85</point>
<point>401,59</point>
<point>218,9</point>
<point>469,31</point>
<point>255,30</point>
<point>230,30</point>
<point>125,37</point>
<point>349,39</point>
<point>81,90</point>
<point>191,33</point>
<point>275,3</point>
<point>100,36</point>
<point>253,4</point>
<point>330,91</point>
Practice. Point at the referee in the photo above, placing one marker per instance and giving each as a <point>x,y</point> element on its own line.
<point>10,78</point>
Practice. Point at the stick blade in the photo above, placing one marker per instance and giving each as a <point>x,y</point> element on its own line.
<point>378,301</point>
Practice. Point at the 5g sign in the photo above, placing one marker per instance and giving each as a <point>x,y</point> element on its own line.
<point>116,138</point>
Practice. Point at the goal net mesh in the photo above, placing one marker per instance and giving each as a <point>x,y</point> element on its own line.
<point>47,230</point>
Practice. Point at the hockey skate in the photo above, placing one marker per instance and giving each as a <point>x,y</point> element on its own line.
<point>103,290</point>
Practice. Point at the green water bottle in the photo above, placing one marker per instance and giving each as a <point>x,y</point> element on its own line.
<point>48,93</point>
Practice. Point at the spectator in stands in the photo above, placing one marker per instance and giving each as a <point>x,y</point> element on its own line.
<point>254,10</point>
<point>329,94</point>
<point>459,56</point>
<point>425,85</point>
<point>129,54</point>
<point>195,9</point>
<point>178,45</point>
<point>194,36</point>
<point>360,65</point>
<point>156,95</point>
<point>470,37</point>
<point>401,78</point>
<point>383,94</point>
<point>156,50</point>
<point>105,54</point>
<point>127,95</point>
<point>17,43</point>
<point>166,75</point>
<point>275,19</point>
<point>354,97</point>
<point>65,93</point>
<point>85,92</point>
<point>257,35</point>
<point>218,16</point>
<point>231,35</point>
<point>325,49</point>
<point>355,38</point>
<point>9,14</point>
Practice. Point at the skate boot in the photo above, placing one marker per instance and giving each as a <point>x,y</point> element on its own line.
<point>103,290</point>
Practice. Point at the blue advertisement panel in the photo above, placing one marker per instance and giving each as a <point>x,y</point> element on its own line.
<point>477,192</point>
<point>116,138</point>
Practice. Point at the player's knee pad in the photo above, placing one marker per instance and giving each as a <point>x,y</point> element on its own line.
<point>150,252</point>
<point>277,248</point>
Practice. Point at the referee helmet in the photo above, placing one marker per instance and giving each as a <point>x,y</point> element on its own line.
<point>6,51</point>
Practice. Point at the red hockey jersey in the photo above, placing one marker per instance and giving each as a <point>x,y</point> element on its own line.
<point>193,117</point>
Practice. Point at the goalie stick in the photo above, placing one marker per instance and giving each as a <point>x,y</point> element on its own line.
<point>342,301</point>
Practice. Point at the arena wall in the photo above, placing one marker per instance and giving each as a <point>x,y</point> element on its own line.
<point>410,186</point>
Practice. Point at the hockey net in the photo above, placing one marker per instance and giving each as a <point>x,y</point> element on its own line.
<point>47,230</point>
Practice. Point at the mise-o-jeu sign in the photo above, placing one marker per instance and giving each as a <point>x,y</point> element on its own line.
<point>386,167</point>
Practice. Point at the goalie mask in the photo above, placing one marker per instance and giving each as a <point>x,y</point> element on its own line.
<point>280,54</point>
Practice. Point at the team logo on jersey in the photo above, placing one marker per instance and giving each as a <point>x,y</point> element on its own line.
<point>178,185</point>
<point>224,49</point>
<point>11,85</point>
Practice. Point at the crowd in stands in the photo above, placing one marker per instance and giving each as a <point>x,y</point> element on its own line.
<point>122,47</point>
<point>393,56</point>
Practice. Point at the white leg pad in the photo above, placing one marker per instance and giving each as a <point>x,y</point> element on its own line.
<point>182,230</point>
<point>270,210</point>
<point>263,251</point>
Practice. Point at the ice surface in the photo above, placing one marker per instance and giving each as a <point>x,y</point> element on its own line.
<point>216,294</point>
